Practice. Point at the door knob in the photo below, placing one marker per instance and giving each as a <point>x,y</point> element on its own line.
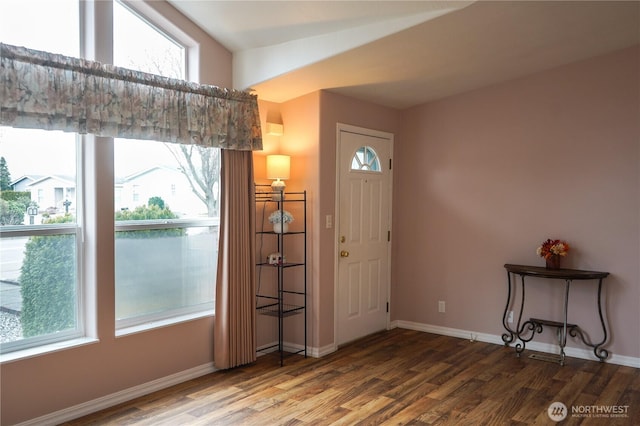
<point>344,253</point>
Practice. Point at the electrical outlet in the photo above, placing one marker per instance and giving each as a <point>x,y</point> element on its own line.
<point>441,306</point>
<point>328,221</point>
<point>510,317</point>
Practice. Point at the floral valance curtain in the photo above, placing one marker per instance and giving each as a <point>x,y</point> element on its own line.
<point>54,92</point>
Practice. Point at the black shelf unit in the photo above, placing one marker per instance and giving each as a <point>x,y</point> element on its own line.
<point>285,299</point>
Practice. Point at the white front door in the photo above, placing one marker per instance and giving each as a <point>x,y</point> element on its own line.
<point>363,232</point>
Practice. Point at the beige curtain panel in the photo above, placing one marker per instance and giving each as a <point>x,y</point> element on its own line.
<point>54,92</point>
<point>235,324</point>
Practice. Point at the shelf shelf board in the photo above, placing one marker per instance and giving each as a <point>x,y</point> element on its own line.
<point>280,233</point>
<point>273,310</point>
<point>289,197</point>
<point>284,265</point>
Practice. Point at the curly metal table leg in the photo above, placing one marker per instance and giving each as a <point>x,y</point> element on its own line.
<point>599,352</point>
<point>531,326</point>
<point>510,337</point>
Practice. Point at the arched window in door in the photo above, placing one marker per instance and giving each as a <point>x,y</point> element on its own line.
<point>365,159</point>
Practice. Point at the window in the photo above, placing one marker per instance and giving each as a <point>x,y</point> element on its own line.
<point>165,262</point>
<point>40,218</point>
<point>365,159</point>
<point>166,213</point>
<point>166,243</point>
<point>40,239</point>
<point>140,46</point>
<point>135,194</point>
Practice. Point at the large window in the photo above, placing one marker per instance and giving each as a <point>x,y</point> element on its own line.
<point>40,214</point>
<point>40,298</point>
<point>166,201</point>
<point>166,238</point>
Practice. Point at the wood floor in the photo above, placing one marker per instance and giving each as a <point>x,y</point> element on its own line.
<point>395,377</point>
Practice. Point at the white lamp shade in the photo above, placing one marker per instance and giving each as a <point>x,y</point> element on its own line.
<point>278,166</point>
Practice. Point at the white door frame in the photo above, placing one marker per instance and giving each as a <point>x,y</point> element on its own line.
<point>336,258</point>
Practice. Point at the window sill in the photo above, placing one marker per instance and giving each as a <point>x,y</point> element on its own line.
<point>83,341</point>
<point>46,349</point>
<point>163,323</point>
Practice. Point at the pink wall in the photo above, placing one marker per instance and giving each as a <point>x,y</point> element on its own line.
<point>310,124</point>
<point>481,179</point>
<point>300,141</point>
<point>336,109</point>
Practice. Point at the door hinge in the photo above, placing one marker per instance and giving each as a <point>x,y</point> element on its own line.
<point>388,235</point>
<point>390,160</point>
<point>387,307</point>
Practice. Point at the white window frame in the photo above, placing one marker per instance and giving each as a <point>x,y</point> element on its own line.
<point>173,316</point>
<point>95,40</point>
<point>42,343</point>
<point>360,165</point>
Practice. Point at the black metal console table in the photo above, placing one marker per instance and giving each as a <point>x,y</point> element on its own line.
<point>525,331</point>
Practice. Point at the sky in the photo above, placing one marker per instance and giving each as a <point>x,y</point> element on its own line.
<point>53,25</point>
<point>38,152</point>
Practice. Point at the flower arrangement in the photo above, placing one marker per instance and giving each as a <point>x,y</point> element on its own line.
<point>551,248</point>
<point>280,214</point>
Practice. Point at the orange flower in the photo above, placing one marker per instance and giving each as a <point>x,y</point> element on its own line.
<point>552,248</point>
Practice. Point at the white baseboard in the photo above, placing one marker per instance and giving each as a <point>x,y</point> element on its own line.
<point>325,350</point>
<point>267,348</point>
<point>107,401</point>
<point>581,353</point>
<point>311,351</point>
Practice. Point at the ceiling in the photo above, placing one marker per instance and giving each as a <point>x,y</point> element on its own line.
<point>405,53</point>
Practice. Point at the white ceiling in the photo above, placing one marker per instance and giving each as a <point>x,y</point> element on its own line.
<point>405,53</point>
